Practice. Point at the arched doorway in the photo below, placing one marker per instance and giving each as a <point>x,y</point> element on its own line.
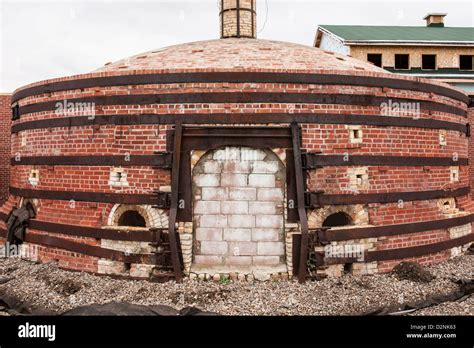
<point>238,210</point>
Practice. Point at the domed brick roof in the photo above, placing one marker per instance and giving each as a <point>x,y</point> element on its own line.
<point>242,54</point>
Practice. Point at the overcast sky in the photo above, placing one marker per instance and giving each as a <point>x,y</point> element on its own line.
<point>45,39</point>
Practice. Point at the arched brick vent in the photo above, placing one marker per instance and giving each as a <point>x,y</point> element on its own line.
<point>337,220</point>
<point>357,214</point>
<point>154,218</point>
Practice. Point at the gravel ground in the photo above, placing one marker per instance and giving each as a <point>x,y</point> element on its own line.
<point>46,286</point>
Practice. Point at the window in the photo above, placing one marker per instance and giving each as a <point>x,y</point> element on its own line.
<point>454,174</point>
<point>15,112</point>
<point>33,179</point>
<point>132,218</point>
<point>402,61</point>
<point>337,220</point>
<point>428,61</point>
<point>355,134</point>
<point>465,62</point>
<point>358,178</point>
<point>375,59</point>
<point>443,138</point>
<point>118,177</point>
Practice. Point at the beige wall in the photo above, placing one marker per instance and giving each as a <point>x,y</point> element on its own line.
<point>446,57</point>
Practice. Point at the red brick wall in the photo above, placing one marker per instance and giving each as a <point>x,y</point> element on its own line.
<point>5,123</point>
<point>329,139</point>
<point>471,146</point>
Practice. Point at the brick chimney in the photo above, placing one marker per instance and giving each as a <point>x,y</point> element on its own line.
<point>435,19</point>
<point>238,19</point>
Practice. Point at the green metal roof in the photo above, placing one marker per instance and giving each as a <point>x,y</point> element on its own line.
<point>401,33</point>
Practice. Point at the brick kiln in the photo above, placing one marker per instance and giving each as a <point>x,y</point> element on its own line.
<point>241,157</point>
<point>5,124</point>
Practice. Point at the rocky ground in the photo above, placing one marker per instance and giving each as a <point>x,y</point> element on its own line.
<point>46,286</point>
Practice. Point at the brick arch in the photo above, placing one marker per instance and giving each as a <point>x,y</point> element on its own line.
<point>197,155</point>
<point>357,213</point>
<point>154,218</point>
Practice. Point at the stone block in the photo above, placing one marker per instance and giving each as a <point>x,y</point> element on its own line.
<point>209,234</point>
<point>262,208</point>
<point>214,248</point>
<point>212,167</point>
<point>235,208</point>
<point>269,221</point>
<point>243,194</point>
<point>208,260</point>
<point>214,194</point>
<point>261,167</point>
<point>270,249</point>
<point>262,180</point>
<point>270,194</point>
<point>217,221</point>
<point>110,267</point>
<point>233,167</point>
<point>207,180</point>
<point>242,249</point>
<point>234,180</point>
<point>237,235</point>
<point>207,207</point>
<point>241,221</point>
<point>141,270</point>
<point>265,235</point>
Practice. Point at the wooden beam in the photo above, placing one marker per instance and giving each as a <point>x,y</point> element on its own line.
<point>300,189</point>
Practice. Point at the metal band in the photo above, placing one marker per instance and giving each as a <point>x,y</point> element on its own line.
<point>85,249</point>
<point>162,160</point>
<point>314,161</point>
<point>238,17</point>
<point>206,138</point>
<point>241,77</point>
<point>392,230</point>
<point>379,255</point>
<point>243,97</point>
<point>300,189</point>
<point>316,200</point>
<point>237,8</point>
<point>160,199</point>
<point>324,236</point>
<point>88,232</point>
<point>223,119</point>
<point>313,199</point>
<point>252,18</point>
<point>404,253</point>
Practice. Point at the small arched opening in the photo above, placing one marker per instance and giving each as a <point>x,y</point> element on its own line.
<point>338,220</point>
<point>131,218</point>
